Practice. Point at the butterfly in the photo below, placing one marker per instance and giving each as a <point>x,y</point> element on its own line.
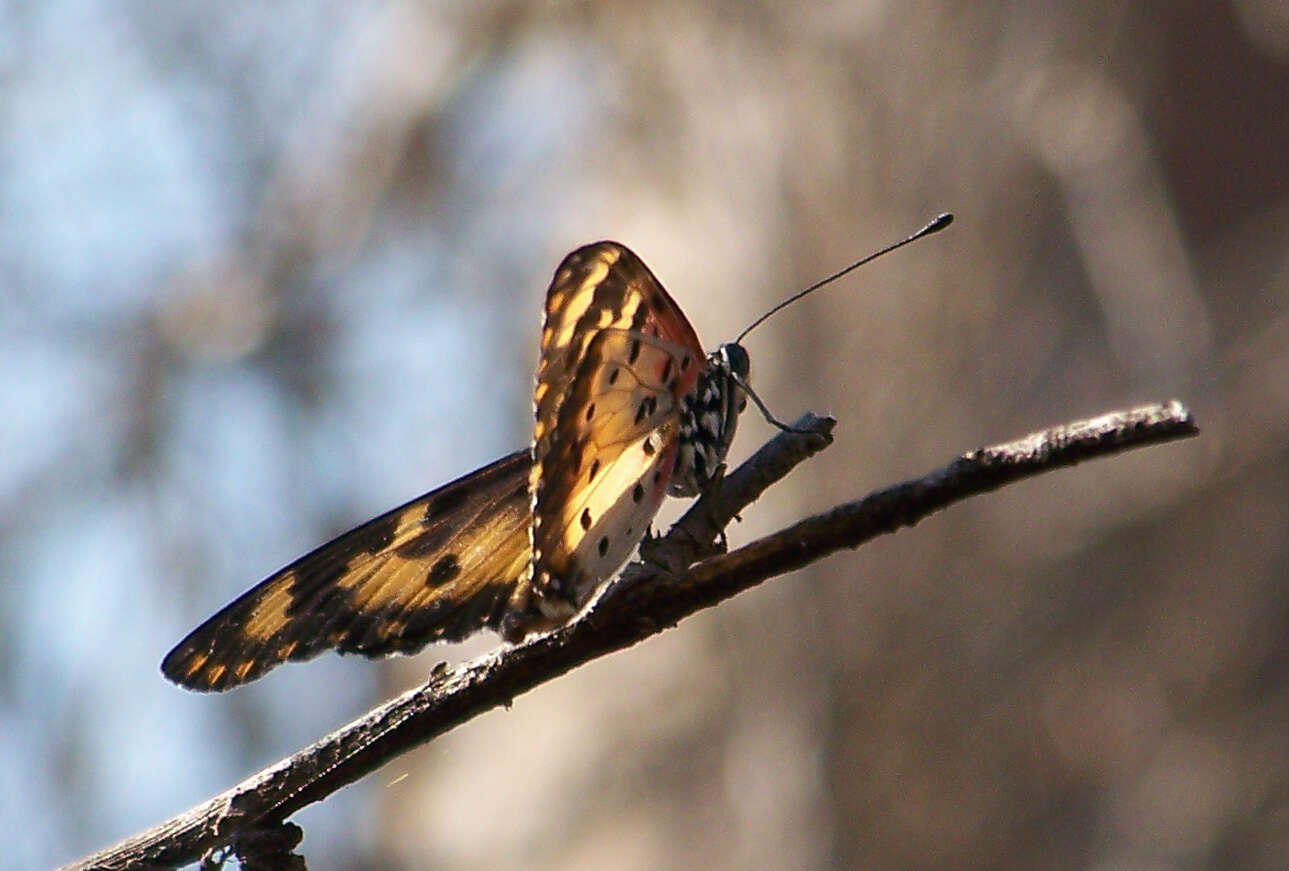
<point>628,409</point>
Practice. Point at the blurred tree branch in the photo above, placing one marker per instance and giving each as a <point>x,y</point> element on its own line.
<point>249,819</point>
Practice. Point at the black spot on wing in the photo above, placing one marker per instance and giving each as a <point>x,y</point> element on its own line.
<point>444,570</point>
<point>650,405</point>
<point>425,543</point>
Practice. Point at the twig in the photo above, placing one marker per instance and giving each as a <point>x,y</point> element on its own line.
<point>648,598</point>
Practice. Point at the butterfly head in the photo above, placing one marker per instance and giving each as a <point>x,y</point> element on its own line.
<point>709,417</point>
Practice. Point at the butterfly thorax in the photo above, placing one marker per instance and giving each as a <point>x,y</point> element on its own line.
<point>708,418</point>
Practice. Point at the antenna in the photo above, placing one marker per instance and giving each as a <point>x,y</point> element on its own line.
<point>935,226</point>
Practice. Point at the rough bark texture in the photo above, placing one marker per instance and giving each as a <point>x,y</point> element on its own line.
<point>650,596</point>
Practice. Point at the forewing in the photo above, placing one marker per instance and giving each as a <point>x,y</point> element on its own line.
<point>616,355</point>
<point>440,567</point>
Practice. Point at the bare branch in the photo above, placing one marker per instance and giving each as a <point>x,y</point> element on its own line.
<point>648,598</point>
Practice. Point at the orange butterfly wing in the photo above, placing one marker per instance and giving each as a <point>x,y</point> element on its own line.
<point>440,567</point>
<point>617,355</point>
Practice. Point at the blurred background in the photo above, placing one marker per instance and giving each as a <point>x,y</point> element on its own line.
<point>267,270</point>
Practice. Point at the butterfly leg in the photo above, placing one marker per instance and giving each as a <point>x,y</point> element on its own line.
<point>765,412</point>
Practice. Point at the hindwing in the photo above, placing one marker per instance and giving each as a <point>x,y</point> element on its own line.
<point>616,356</point>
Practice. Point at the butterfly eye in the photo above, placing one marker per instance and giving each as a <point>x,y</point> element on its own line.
<point>736,358</point>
